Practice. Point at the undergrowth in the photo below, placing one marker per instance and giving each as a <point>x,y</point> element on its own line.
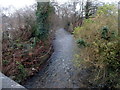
<point>102,53</point>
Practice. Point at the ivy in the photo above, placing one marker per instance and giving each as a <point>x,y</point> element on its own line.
<point>43,11</point>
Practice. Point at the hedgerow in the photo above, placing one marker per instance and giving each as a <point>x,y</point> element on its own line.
<point>102,53</point>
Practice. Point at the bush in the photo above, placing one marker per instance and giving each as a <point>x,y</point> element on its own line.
<point>104,33</point>
<point>102,53</point>
<point>81,43</point>
<point>5,62</point>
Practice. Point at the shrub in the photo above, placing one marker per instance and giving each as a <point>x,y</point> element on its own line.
<point>102,53</point>
<point>5,62</point>
<point>21,72</point>
<point>104,33</point>
<point>81,43</point>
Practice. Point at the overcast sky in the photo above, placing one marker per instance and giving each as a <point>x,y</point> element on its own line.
<point>22,3</point>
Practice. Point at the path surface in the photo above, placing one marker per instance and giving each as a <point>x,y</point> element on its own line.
<point>59,72</point>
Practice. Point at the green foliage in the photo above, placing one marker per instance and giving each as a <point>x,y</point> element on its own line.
<point>107,62</point>
<point>104,33</point>
<point>35,40</point>
<point>43,11</point>
<point>21,72</point>
<point>77,28</point>
<point>106,9</point>
<point>111,55</point>
<point>89,21</point>
<point>81,43</point>
<point>102,54</point>
<point>5,62</point>
<point>77,60</point>
<point>33,28</point>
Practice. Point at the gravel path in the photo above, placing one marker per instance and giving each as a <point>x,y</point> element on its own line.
<point>59,71</point>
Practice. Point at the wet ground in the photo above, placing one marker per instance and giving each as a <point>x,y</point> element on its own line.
<point>59,71</point>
